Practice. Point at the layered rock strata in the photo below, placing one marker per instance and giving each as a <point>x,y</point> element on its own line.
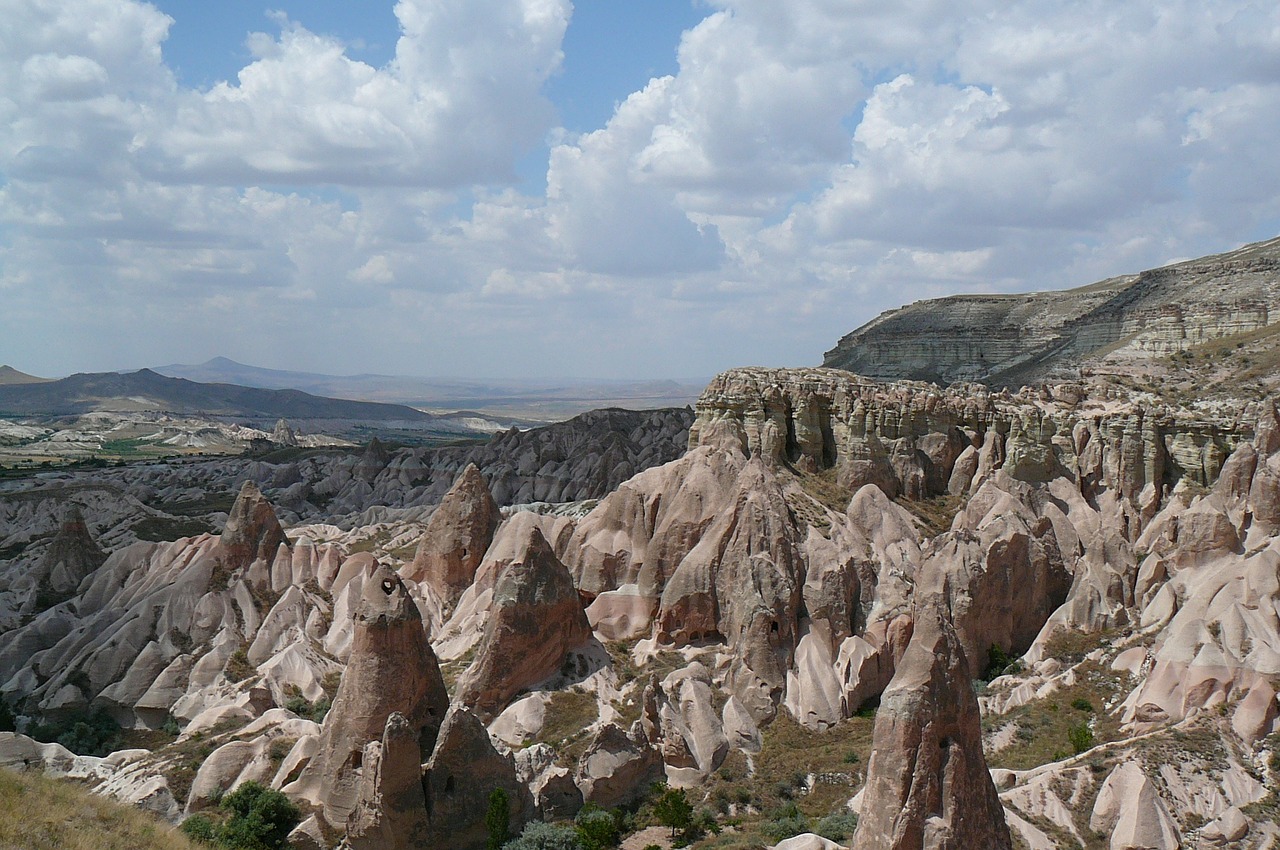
<point>1008,339</point>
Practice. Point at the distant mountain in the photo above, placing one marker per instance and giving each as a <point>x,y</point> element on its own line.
<point>10,375</point>
<point>1120,325</point>
<point>146,390</point>
<point>541,399</point>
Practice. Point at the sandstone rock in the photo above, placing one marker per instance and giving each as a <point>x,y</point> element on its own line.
<point>72,554</point>
<point>617,767</point>
<point>806,841</point>
<point>463,771</point>
<point>535,621</point>
<point>391,809</point>
<point>927,781</point>
<point>252,531</point>
<point>1228,827</point>
<point>456,538</point>
<point>392,668</point>
<point>1129,809</point>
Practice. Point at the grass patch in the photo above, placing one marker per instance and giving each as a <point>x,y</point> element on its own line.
<point>1063,724</point>
<point>164,529</point>
<point>39,813</point>
<point>936,514</point>
<point>568,715</point>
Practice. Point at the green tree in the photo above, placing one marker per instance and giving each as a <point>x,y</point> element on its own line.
<point>597,829</point>
<point>497,819</point>
<point>260,818</point>
<point>673,809</point>
<point>8,723</point>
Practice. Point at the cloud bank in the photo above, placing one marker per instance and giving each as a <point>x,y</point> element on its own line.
<point>810,164</point>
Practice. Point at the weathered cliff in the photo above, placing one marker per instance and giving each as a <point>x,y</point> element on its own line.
<point>1008,340</point>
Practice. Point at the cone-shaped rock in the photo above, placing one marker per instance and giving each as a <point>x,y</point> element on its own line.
<point>392,668</point>
<point>536,619</point>
<point>283,434</point>
<point>928,787</point>
<point>457,536</point>
<point>72,554</point>
<point>392,812</point>
<point>373,461</point>
<point>464,770</point>
<point>252,530</point>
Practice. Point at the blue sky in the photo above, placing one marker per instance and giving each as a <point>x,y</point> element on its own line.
<point>525,188</point>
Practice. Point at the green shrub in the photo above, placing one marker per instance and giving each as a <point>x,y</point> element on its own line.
<point>1081,737</point>
<point>784,823</point>
<point>837,826</point>
<point>1000,663</point>
<point>597,828</point>
<point>8,723</point>
<point>545,836</point>
<point>1082,704</point>
<point>199,828</point>
<point>259,819</point>
<point>673,809</point>
<point>91,732</point>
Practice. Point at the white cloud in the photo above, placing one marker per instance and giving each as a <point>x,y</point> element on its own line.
<point>809,164</point>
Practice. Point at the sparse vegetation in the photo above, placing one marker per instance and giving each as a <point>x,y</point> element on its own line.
<point>252,817</point>
<point>568,714</point>
<point>40,813</point>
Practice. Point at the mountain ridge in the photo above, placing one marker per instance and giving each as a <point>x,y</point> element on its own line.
<point>147,390</point>
<point>1113,325</point>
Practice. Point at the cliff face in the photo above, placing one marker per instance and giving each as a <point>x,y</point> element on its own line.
<point>1007,340</point>
<point>916,440</point>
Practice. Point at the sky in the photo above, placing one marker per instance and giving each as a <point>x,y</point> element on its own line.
<point>601,189</point>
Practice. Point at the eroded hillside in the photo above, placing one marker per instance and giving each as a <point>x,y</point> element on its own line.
<point>774,621</point>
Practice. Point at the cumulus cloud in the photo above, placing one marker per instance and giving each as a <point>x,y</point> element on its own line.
<point>807,165</point>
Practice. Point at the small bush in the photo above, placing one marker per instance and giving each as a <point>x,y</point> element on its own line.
<point>545,836</point>
<point>1082,704</point>
<point>1000,663</point>
<point>199,828</point>
<point>837,826</point>
<point>259,818</point>
<point>785,823</point>
<point>1081,738</point>
<point>8,723</point>
<point>597,828</point>
<point>86,733</point>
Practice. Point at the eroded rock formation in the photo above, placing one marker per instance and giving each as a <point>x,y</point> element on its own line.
<point>456,538</point>
<point>535,620</point>
<point>392,668</point>
<point>928,787</point>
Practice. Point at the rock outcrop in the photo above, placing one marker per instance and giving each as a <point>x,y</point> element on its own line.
<point>927,782</point>
<point>535,620</point>
<point>252,532</point>
<point>463,771</point>
<point>392,669</point>
<point>457,536</point>
<point>1006,340</point>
